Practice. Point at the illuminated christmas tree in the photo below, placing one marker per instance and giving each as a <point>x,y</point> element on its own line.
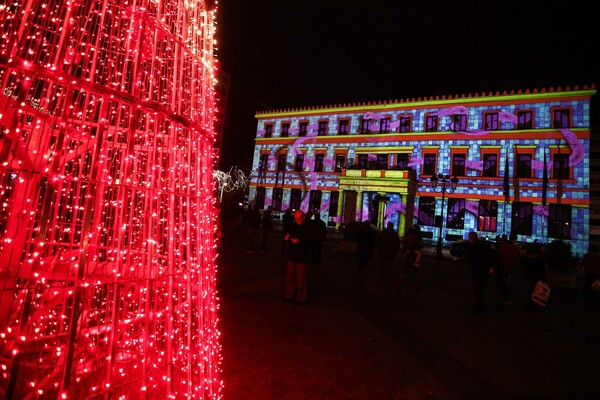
<point>107,246</point>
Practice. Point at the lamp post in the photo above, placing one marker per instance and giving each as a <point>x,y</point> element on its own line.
<point>439,184</point>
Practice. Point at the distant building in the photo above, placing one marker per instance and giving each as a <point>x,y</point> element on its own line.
<point>375,161</point>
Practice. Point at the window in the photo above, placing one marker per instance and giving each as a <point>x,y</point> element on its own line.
<point>295,199</point>
<point>363,161</point>
<point>490,165</point>
<point>259,200</point>
<point>431,123</point>
<point>340,162</point>
<point>559,221</point>
<point>560,166</point>
<point>456,214</point>
<point>344,127</point>
<point>487,217</point>
<point>458,164</point>
<point>402,160</point>
<point>491,121</point>
<point>281,161</point>
<point>285,130</point>
<point>405,123</point>
<point>299,163</point>
<point>314,202</point>
<point>263,163</point>
<point>459,122</point>
<point>426,214</point>
<point>365,126</point>
<point>268,130</point>
<point>302,128</point>
<point>333,204</point>
<point>277,198</point>
<point>429,164</point>
<point>523,165</point>
<point>323,128</point>
<point>522,218</point>
<point>561,118</point>
<point>319,162</point>
<point>384,125</point>
<point>524,119</point>
<point>382,161</point>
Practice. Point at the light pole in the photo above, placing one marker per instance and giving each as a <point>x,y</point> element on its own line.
<point>442,180</point>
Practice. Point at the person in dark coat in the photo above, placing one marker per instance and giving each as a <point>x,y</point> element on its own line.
<point>297,259</point>
<point>318,232</point>
<point>267,226</point>
<point>287,221</point>
<point>365,242</point>
<point>508,261</point>
<point>534,262</point>
<point>480,260</point>
<point>387,245</point>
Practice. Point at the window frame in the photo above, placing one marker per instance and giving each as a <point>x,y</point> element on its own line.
<point>302,128</point>
<point>277,198</point>
<point>340,166</point>
<point>521,122</point>
<point>458,216</point>
<point>385,125</point>
<point>402,126</point>
<point>429,127</point>
<point>268,130</point>
<point>521,222</point>
<point>559,171</point>
<point>559,221</point>
<point>520,168</point>
<point>299,162</point>
<point>259,199</point>
<point>491,121</point>
<point>426,212</point>
<point>323,127</point>
<point>365,125</point>
<point>459,122</point>
<point>281,162</point>
<point>487,215</point>
<point>315,200</point>
<point>285,129</point>
<point>426,155</point>
<point>295,199</point>
<point>319,161</point>
<point>346,126</point>
<point>562,117</point>
<point>458,165</point>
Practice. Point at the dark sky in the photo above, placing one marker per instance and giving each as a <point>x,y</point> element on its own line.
<point>283,53</point>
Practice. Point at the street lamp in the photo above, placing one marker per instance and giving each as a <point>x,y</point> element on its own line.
<point>442,180</point>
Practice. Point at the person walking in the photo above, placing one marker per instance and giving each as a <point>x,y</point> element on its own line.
<point>267,226</point>
<point>297,258</point>
<point>318,232</point>
<point>479,258</point>
<point>365,243</point>
<point>507,267</point>
<point>287,221</point>
<point>387,245</point>
<point>412,252</point>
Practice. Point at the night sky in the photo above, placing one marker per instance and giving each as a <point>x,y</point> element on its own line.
<point>283,54</point>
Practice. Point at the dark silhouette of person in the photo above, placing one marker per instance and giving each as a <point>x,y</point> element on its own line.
<point>480,260</point>
<point>365,242</point>
<point>252,222</point>
<point>412,254</point>
<point>297,257</point>
<point>387,246</point>
<point>287,221</point>
<point>508,261</point>
<point>318,233</point>
<point>267,226</point>
<point>534,262</point>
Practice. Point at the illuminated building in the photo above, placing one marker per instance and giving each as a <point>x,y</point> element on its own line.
<point>107,252</point>
<point>353,162</point>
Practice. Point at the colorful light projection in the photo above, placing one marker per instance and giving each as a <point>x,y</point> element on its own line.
<point>107,215</point>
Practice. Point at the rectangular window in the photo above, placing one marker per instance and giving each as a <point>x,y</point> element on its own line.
<point>524,119</point>
<point>523,165</point>
<point>263,163</point>
<point>458,164</point>
<point>260,197</point>
<point>561,118</point>
<point>268,130</point>
<point>281,161</point>
<point>487,217</point>
<point>560,166</point>
<point>559,221</point>
<point>426,214</point>
<point>340,162</point>
<point>333,206</point>
<point>285,130</point>
<point>522,218</point>
<point>277,198</point>
<point>382,161</point>
<point>314,202</point>
<point>431,123</point>
<point>363,161</point>
<point>303,128</point>
<point>402,160</point>
<point>456,214</point>
<point>490,165</point>
<point>344,127</point>
<point>295,199</point>
<point>429,164</point>
<point>405,124</point>
<point>384,125</point>
<point>459,122</point>
<point>299,163</point>
<point>491,121</point>
<point>365,126</point>
<point>323,128</point>
<point>319,162</point>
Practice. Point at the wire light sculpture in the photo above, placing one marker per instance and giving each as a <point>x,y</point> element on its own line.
<point>235,179</point>
<point>107,217</point>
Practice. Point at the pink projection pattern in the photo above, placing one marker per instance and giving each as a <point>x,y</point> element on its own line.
<point>107,217</point>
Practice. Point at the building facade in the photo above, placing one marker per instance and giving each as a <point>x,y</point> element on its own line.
<point>522,160</point>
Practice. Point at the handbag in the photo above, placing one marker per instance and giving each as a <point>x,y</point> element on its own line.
<point>541,293</point>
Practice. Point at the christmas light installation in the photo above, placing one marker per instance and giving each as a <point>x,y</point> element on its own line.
<point>107,210</point>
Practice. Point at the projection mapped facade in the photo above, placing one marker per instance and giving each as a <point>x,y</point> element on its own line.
<point>106,200</point>
<point>375,161</point>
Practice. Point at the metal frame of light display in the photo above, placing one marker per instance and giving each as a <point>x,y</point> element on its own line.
<point>106,200</point>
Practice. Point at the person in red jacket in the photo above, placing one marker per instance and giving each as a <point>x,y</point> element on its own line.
<point>507,266</point>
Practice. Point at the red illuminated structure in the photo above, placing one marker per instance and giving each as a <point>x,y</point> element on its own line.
<point>107,273</point>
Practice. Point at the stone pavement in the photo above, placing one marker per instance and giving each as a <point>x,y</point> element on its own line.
<point>357,338</point>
